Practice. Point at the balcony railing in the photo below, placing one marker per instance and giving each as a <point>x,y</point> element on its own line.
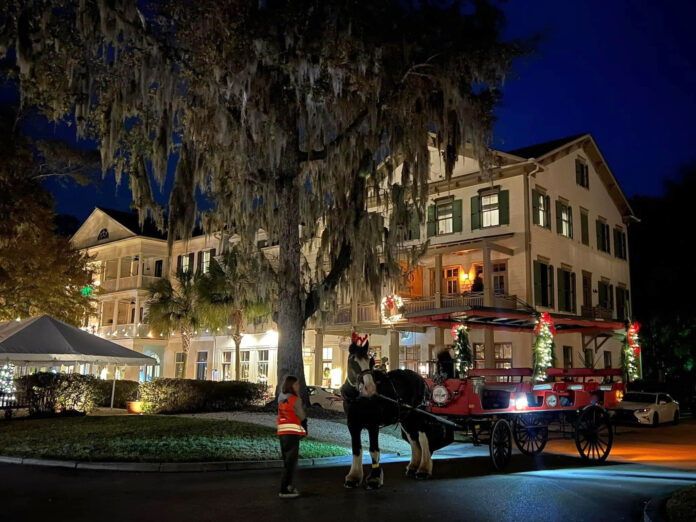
<point>127,283</point>
<point>597,312</point>
<point>130,331</point>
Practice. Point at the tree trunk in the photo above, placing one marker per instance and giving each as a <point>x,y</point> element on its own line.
<point>185,345</point>
<point>237,337</point>
<point>290,318</point>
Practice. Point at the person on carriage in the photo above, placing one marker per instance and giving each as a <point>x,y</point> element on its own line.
<point>445,363</point>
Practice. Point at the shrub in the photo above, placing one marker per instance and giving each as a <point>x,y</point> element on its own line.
<point>191,396</point>
<point>125,391</point>
<point>51,393</point>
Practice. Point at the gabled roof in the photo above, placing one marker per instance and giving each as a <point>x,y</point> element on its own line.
<point>130,220</point>
<point>540,149</point>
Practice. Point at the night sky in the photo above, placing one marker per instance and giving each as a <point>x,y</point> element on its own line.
<point>623,70</point>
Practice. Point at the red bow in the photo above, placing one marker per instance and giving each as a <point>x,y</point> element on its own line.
<point>545,319</point>
<point>357,340</point>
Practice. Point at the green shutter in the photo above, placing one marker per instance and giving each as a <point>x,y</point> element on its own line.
<point>504,207</point>
<point>600,235</point>
<point>611,298</point>
<point>547,212</point>
<point>199,264</point>
<point>584,228</point>
<point>551,286</point>
<point>414,225</point>
<point>578,173</point>
<point>570,222</point>
<point>475,212</point>
<point>178,263</point>
<point>432,225</point>
<point>535,207</point>
<point>537,283</point>
<point>573,298</point>
<point>559,221</point>
<point>562,305</point>
<point>617,243</point>
<point>457,215</point>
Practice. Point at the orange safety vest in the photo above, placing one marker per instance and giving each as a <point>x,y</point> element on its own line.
<point>288,421</point>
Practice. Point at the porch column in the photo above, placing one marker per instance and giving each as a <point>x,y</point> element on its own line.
<point>438,280</point>
<point>141,269</point>
<point>439,339</point>
<point>136,315</point>
<point>115,314</point>
<point>489,347</point>
<point>487,276</point>
<point>118,273</point>
<point>318,356</point>
<point>354,304</point>
<point>393,349</point>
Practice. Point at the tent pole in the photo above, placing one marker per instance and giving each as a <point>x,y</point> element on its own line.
<point>113,389</point>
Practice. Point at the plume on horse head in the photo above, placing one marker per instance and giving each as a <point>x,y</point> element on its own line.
<point>359,346</point>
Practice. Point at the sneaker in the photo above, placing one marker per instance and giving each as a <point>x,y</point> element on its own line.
<point>291,492</point>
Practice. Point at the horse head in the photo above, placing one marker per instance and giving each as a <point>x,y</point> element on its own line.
<point>360,367</point>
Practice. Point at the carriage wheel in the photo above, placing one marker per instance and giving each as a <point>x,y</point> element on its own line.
<point>530,434</point>
<point>593,434</point>
<point>501,444</point>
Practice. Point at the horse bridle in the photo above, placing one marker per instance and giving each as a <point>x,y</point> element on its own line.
<point>360,375</point>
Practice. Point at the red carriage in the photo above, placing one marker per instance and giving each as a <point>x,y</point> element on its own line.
<point>510,407</point>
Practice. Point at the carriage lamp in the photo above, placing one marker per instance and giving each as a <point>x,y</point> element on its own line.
<point>619,395</point>
<point>440,395</point>
<point>521,402</point>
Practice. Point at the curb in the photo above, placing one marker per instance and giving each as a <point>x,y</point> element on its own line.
<point>654,510</point>
<point>181,467</point>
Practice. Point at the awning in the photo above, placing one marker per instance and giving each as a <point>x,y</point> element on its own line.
<point>46,340</point>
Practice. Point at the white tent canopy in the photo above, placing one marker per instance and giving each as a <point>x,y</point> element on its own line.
<point>45,340</point>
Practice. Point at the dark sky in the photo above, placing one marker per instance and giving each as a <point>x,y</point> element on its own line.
<point>624,70</point>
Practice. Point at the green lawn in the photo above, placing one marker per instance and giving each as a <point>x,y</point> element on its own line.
<point>147,438</point>
<point>681,506</point>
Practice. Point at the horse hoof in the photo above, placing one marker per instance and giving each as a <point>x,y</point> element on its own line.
<point>423,476</point>
<point>373,484</point>
<point>410,472</point>
<point>351,484</point>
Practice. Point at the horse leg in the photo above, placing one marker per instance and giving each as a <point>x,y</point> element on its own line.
<point>415,456</point>
<point>425,470</point>
<point>355,476</point>
<point>376,477</point>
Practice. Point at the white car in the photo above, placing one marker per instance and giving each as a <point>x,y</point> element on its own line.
<point>649,408</point>
<point>325,398</point>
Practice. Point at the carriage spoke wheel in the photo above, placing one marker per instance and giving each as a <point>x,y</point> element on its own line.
<point>501,444</point>
<point>593,435</point>
<point>530,434</point>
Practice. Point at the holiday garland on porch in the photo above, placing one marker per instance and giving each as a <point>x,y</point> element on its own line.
<point>631,352</point>
<point>543,346</point>
<point>7,387</point>
<point>463,358</point>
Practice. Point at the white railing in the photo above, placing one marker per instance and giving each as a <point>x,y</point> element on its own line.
<point>129,331</point>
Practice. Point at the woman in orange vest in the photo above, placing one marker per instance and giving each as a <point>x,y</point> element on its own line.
<point>292,426</point>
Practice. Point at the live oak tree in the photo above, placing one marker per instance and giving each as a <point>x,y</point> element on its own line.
<point>291,115</point>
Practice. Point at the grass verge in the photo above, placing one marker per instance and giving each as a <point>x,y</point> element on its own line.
<point>681,506</point>
<point>147,438</point>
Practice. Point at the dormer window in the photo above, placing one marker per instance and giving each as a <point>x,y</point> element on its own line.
<point>103,234</point>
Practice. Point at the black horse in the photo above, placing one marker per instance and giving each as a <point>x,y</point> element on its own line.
<point>364,402</point>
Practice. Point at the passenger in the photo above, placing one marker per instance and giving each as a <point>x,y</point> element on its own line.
<point>445,363</point>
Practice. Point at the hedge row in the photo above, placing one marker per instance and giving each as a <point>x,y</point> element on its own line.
<point>69,393</point>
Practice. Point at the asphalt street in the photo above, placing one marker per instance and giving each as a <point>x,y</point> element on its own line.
<point>551,487</point>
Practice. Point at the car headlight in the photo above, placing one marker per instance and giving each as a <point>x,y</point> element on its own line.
<point>440,395</point>
<point>643,410</point>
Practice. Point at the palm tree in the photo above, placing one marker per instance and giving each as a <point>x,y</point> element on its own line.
<point>233,294</point>
<point>178,307</point>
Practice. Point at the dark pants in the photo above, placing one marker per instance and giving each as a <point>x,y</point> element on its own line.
<point>290,448</point>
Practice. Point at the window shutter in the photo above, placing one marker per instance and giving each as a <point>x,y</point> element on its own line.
<point>584,228</point>
<point>431,221</point>
<point>600,233</point>
<point>611,298</point>
<point>199,266</point>
<point>191,260</point>
<point>414,225</point>
<point>535,207</point>
<point>559,221</point>
<point>457,215</point>
<point>547,212</point>
<point>617,243</point>
<point>504,207</point>
<point>570,222</point>
<point>578,172</point>
<point>551,287</point>
<point>562,305</point>
<point>178,263</point>
<point>573,298</point>
<point>537,283</point>
<point>475,212</point>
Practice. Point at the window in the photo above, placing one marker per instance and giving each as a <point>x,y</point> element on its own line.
<point>499,274</point>
<point>227,366</point>
<point>327,354</point>
<point>567,356</point>
<point>327,365</point>
<point>479,355</point>
<point>566,291</point>
<point>201,366</point>
<point>204,258</point>
<point>622,304</point>
<point>413,230</point>
<point>159,264</point>
<point>663,397</point>
<point>603,237</point>
<point>180,363</point>
<point>543,284</point>
<point>564,219</point>
<point>409,357</point>
<point>103,234</point>
<point>503,355</point>
<point>607,359</point>
<point>185,263</point>
<point>129,266</point>
<point>452,280</point>
<point>620,249</point>
<point>444,217</point>
<point>584,227</point>
<point>582,174</point>
<point>262,367</point>
<point>606,295</point>
<point>490,215</point>
<point>490,209</point>
<point>244,359</point>
<point>541,209</point>
<point>589,358</point>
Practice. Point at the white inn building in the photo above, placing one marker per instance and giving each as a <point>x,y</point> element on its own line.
<point>545,232</point>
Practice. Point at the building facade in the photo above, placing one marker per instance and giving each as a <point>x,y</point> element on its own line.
<point>543,231</point>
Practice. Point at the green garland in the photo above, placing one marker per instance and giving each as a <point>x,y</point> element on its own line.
<point>630,352</point>
<point>543,346</point>
<point>463,358</point>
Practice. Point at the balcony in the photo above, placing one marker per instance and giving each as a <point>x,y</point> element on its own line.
<point>129,331</point>
<point>127,283</point>
<point>597,312</point>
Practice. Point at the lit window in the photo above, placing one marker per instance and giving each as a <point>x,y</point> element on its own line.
<point>565,219</point>
<point>244,359</point>
<point>185,264</point>
<point>444,217</point>
<point>180,362</point>
<point>201,366</point>
<point>490,211</point>
<point>479,355</point>
<point>227,366</point>
<point>262,367</point>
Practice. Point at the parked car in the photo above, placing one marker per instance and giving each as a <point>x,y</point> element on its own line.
<point>648,408</point>
<point>325,398</point>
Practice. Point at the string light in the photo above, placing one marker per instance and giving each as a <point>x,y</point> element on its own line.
<point>631,352</point>
<point>7,387</point>
<point>463,358</point>
<point>543,346</point>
